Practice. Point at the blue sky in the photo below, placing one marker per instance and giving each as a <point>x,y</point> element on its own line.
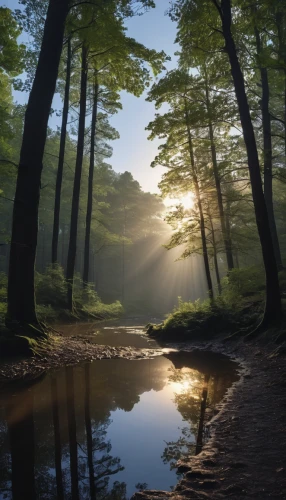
<point>133,152</point>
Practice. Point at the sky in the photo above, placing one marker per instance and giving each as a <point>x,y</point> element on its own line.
<point>133,151</point>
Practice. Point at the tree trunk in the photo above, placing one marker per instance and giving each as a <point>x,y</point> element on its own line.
<point>21,432</point>
<point>56,224</point>
<point>199,202</point>
<point>88,430</point>
<point>57,438</point>
<point>226,239</point>
<point>273,311</point>
<point>267,151</point>
<point>72,433</point>
<point>21,293</point>
<point>90,188</point>
<point>280,22</point>
<point>77,179</point>
<point>215,252</point>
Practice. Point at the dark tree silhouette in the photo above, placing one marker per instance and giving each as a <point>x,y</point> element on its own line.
<point>56,224</point>
<point>21,293</point>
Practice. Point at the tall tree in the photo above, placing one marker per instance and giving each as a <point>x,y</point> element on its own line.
<point>273,310</point>
<point>21,293</point>
<point>61,156</point>
<point>217,16</point>
<point>77,176</point>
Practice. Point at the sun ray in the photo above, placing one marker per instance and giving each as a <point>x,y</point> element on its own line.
<point>187,200</point>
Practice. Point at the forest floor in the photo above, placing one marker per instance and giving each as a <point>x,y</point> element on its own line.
<point>245,454</point>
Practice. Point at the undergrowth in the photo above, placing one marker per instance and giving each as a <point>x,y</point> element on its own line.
<point>51,292</point>
<point>239,305</point>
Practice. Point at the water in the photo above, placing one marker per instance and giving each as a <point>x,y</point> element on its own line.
<point>126,334</point>
<point>103,430</point>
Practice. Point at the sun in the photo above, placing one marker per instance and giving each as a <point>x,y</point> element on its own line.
<point>187,201</point>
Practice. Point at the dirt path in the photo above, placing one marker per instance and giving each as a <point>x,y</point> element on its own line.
<point>246,454</point>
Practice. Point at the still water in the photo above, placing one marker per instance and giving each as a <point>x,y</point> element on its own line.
<point>105,429</point>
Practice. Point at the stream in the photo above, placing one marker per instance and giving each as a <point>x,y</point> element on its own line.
<point>106,429</point>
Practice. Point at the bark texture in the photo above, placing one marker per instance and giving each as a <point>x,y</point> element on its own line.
<point>21,293</point>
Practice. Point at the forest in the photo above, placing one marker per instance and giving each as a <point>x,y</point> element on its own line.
<point>74,233</point>
<point>201,258</point>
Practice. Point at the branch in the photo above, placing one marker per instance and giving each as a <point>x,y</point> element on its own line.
<point>277,119</point>
<point>11,162</point>
<point>217,6</point>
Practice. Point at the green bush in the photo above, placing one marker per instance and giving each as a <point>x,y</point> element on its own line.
<point>51,293</point>
<point>3,287</point>
<point>244,282</point>
<point>239,303</point>
<point>104,311</point>
<point>51,287</point>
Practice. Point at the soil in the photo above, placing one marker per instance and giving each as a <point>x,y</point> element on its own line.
<point>60,352</point>
<point>245,454</point>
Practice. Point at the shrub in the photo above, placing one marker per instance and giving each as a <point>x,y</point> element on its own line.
<point>51,286</point>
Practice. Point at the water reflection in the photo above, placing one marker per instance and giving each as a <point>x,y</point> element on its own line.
<point>102,430</point>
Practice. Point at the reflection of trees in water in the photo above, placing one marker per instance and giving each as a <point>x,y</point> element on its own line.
<point>101,465</point>
<point>91,466</point>
<point>20,424</point>
<point>55,440</point>
<point>197,395</point>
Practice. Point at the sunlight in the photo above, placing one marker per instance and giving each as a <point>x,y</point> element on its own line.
<point>186,386</point>
<point>188,201</point>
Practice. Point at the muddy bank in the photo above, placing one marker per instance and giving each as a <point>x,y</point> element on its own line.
<point>245,455</point>
<point>62,351</point>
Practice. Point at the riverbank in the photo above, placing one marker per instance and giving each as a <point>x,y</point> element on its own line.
<point>245,455</point>
<point>60,351</point>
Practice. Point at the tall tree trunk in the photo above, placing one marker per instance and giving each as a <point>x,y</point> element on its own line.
<point>267,151</point>
<point>281,33</point>
<point>21,292</point>
<point>57,438</point>
<point>77,179</point>
<point>199,202</point>
<point>226,239</point>
<point>215,251</point>
<point>21,432</point>
<point>90,187</point>
<point>273,311</point>
<point>72,433</point>
<point>88,430</point>
<point>57,205</point>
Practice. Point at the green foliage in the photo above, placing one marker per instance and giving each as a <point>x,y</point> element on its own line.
<point>12,54</point>
<point>243,282</point>
<point>51,287</point>
<point>3,287</point>
<point>240,303</point>
<point>51,299</point>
